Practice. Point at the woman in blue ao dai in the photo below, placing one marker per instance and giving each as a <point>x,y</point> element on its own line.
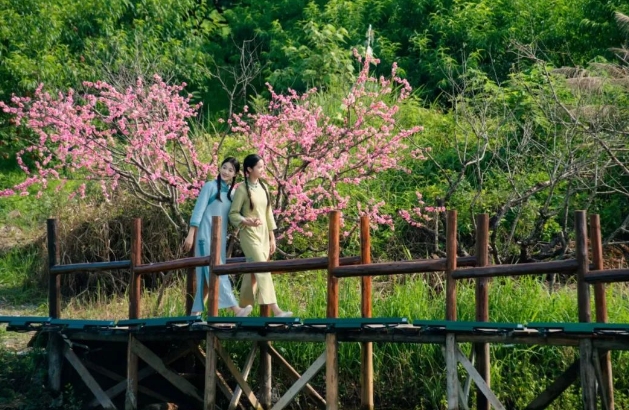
<point>214,200</point>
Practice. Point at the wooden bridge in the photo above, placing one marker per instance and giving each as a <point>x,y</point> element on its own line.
<point>172,346</point>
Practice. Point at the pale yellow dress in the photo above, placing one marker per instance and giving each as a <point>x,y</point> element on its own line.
<point>254,241</point>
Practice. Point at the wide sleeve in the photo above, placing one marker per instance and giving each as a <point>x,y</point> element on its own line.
<point>207,192</point>
<point>270,219</point>
<point>235,216</point>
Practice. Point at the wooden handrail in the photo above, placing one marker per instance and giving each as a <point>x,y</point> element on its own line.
<point>394,268</point>
<point>569,266</point>
<point>90,267</point>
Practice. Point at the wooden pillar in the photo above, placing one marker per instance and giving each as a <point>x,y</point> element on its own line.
<point>331,372</point>
<point>334,252</point>
<point>55,343</point>
<point>266,369</point>
<point>131,394</point>
<point>583,288</point>
<point>191,281</point>
<point>331,341</point>
<point>54,280</point>
<point>452,376</point>
<point>588,377</point>
<point>600,301</point>
<point>209,396</point>
<point>215,260</point>
<point>136,279</point>
<point>482,306</point>
<point>451,254</point>
<point>366,358</point>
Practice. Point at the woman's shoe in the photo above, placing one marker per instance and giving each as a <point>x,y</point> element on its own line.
<point>244,312</point>
<point>286,313</point>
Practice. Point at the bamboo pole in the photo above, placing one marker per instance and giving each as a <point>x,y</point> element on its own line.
<point>366,358</point>
<point>600,301</point>
<point>451,245</point>
<point>482,306</point>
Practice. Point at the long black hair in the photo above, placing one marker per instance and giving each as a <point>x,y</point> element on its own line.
<point>236,166</point>
<point>251,161</point>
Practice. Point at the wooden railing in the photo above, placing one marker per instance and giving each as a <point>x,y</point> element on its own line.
<point>472,267</point>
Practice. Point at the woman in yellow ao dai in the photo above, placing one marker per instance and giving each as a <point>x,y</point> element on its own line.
<point>251,212</point>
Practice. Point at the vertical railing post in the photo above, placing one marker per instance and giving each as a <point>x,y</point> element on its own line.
<point>331,341</point>
<point>54,280</point>
<point>451,255</point>
<point>588,378</point>
<point>366,351</point>
<point>55,343</point>
<point>131,395</point>
<point>600,301</point>
<point>136,260</point>
<point>452,385</point>
<point>215,260</point>
<point>482,305</point>
<point>209,399</point>
<point>191,281</point>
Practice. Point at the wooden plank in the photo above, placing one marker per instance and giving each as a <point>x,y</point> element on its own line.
<point>452,377</point>
<point>245,374</point>
<point>116,377</point>
<point>131,395</point>
<point>209,394</point>
<point>366,348</point>
<point>557,387</point>
<point>88,379</point>
<point>296,376</point>
<point>155,362</point>
<point>588,377</point>
<point>478,379</point>
<point>239,378</point>
<point>600,301</point>
<point>332,372</point>
<point>301,383</point>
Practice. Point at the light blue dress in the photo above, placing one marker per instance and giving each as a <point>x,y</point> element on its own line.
<point>206,207</point>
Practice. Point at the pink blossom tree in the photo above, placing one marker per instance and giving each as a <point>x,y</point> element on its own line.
<point>312,156</point>
<point>136,139</point>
